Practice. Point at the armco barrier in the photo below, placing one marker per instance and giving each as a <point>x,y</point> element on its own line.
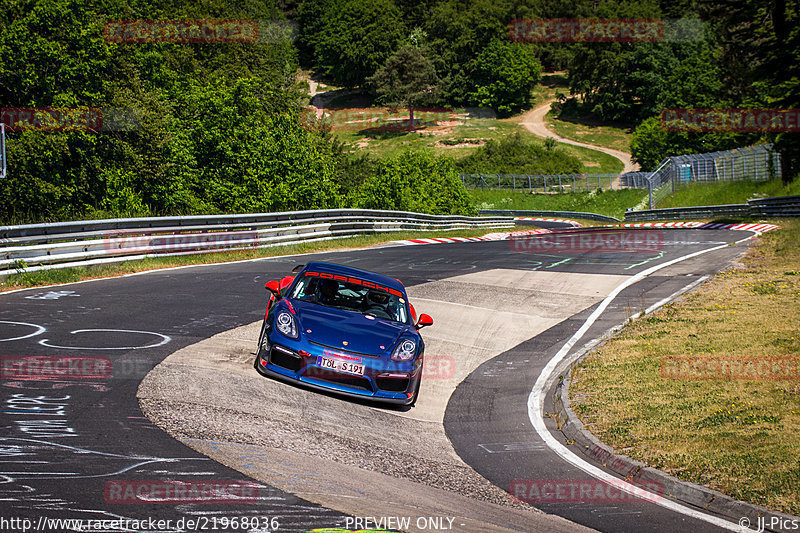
<point>559,214</point>
<point>34,247</point>
<point>712,211</point>
<point>780,206</point>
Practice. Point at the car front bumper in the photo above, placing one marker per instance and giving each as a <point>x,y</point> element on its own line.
<point>396,385</point>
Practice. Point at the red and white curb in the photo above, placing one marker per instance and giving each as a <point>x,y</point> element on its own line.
<point>756,227</point>
<point>761,228</point>
<point>572,223</point>
<point>447,240</point>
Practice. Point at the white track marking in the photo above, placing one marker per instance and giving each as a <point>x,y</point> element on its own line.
<point>39,330</point>
<point>164,340</point>
<point>537,396</point>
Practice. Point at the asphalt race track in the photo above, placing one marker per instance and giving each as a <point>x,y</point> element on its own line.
<point>183,340</point>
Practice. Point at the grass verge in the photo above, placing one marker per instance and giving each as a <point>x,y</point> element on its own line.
<point>740,436</point>
<point>595,162</point>
<point>73,274</point>
<point>590,131</point>
<point>728,192</point>
<point>610,202</point>
<point>454,134</point>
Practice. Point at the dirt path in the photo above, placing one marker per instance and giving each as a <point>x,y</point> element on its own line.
<point>533,120</point>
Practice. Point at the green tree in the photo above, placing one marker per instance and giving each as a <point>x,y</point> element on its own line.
<point>621,81</point>
<point>415,181</point>
<point>205,117</point>
<point>515,154</point>
<point>357,40</point>
<point>52,53</point>
<point>651,143</point>
<point>459,31</point>
<point>503,76</point>
<point>312,15</point>
<point>761,43</point>
<point>747,61</point>
<point>247,159</point>
<point>407,79</point>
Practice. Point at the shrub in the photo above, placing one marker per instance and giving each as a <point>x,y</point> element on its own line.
<point>415,181</point>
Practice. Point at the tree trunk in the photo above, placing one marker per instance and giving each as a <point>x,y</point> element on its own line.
<point>411,118</point>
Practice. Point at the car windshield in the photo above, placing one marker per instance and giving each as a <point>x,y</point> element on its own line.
<point>355,295</point>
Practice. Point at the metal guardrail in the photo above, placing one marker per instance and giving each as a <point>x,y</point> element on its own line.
<point>781,206</point>
<point>713,211</point>
<point>559,214</point>
<point>33,247</point>
<point>2,150</point>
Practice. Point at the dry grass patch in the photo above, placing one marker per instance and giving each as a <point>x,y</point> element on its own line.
<point>737,435</point>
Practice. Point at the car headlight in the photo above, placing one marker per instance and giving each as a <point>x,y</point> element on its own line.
<point>286,324</point>
<point>405,351</point>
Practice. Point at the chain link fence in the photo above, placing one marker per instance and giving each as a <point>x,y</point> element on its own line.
<point>540,182</point>
<point>752,163</point>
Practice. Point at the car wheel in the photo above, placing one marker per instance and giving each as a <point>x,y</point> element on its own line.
<point>261,338</point>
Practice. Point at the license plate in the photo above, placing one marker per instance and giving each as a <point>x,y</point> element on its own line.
<point>341,366</point>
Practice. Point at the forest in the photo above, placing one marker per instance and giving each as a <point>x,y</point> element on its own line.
<point>166,121</point>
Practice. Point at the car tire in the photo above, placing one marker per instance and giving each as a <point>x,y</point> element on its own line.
<point>261,338</point>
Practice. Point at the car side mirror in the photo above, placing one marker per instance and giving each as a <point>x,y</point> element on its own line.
<point>424,320</point>
<point>285,282</point>
<point>274,288</point>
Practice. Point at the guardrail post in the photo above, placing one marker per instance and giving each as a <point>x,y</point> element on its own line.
<point>2,150</point>
<point>673,171</point>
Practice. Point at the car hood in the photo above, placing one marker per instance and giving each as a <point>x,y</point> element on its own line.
<point>335,327</point>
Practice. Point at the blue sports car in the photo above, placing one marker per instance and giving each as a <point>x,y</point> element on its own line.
<point>346,330</point>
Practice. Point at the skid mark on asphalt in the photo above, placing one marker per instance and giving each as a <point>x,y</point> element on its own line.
<point>512,447</point>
